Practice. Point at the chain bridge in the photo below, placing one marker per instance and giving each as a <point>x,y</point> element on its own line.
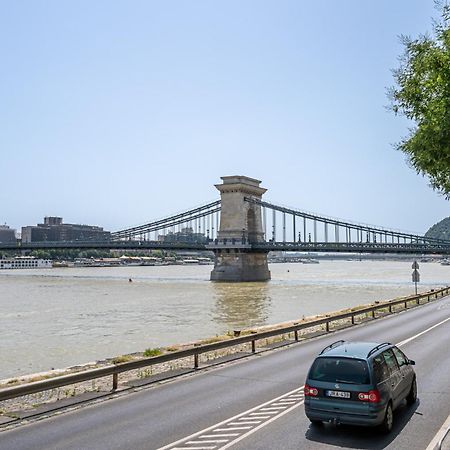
<point>241,229</point>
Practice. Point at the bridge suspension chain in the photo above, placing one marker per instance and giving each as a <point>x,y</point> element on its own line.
<point>199,220</point>
<point>344,231</point>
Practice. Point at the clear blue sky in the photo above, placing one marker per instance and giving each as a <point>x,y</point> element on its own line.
<point>118,112</point>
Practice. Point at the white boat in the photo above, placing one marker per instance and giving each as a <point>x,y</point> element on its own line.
<point>25,262</point>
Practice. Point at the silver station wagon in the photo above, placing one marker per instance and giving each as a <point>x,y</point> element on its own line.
<point>359,383</point>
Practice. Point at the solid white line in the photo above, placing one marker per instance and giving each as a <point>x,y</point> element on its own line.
<point>232,429</point>
<point>420,334</point>
<point>214,427</point>
<point>215,441</point>
<point>254,430</point>
<point>439,435</point>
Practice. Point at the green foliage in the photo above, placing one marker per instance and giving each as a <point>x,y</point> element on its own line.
<point>440,230</point>
<point>152,352</point>
<point>68,255</point>
<point>422,94</point>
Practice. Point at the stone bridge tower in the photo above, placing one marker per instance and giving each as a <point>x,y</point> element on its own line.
<point>240,226</point>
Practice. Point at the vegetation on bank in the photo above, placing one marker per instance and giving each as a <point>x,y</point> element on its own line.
<point>440,230</point>
<point>70,255</point>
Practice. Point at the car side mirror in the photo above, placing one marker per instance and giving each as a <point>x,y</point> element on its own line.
<point>413,363</point>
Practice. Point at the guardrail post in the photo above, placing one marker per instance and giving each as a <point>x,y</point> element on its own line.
<point>195,360</point>
<point>406,305</point>
<point>353,319</point>
<point>373,314</point>
<point>253,346</point>
<point>428,299</point>
<point>390,308</point>
<point>327,326</point>
<point>418,300</point>
<point>115,381</point>
<point>296,335</point>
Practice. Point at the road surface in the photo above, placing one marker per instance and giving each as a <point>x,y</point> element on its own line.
<point>257,403</point>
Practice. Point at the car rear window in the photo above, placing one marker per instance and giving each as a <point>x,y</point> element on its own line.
<point>340,370</point>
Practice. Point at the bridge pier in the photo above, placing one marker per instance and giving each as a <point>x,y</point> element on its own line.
<point>240,227</point>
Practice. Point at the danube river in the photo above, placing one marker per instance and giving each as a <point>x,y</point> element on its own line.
<point>54,318</point>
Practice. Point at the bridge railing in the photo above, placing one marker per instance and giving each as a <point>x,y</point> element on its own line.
<point>115,370</point>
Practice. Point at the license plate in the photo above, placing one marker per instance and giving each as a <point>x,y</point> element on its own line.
<point>338,394</point>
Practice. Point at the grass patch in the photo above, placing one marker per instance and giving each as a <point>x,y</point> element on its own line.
<point>173,348</point>
<point>122,359</point>
<point>152,352</point>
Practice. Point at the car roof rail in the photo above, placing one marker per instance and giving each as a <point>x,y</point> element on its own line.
<point>334,344</point>
<point>378,347</point>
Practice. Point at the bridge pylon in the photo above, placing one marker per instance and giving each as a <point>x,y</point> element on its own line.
<point>240,227</point>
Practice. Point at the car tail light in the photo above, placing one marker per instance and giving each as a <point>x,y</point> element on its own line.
<point>371,396</point>
<point>311,391</point>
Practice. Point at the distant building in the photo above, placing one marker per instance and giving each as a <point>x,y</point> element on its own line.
<point>185,235</point>
<point>7,235</point>
<point>53,229</point>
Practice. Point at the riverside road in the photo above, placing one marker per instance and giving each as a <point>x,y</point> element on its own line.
<point>257,402</point>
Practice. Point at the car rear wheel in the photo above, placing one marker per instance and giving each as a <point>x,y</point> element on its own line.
<point>388,421</point>
<point>412,396</point>
<point>316,423</point>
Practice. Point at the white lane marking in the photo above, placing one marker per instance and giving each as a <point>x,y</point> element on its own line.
<point>220,435</point>
<point>246,422</point>
<point>195,448</point>
<point>440,435</point>
<point>422,332</point>
<point>254,430</point>
<point>215,441</point>
<point>222,426</point>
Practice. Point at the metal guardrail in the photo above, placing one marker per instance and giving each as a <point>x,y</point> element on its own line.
<point>115,370</point>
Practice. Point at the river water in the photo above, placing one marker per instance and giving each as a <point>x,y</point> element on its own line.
<point>54,318</point>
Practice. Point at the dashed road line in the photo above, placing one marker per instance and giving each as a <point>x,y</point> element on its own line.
<point>218,436</point>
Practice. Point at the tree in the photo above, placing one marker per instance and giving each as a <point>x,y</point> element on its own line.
<point>422,94</point>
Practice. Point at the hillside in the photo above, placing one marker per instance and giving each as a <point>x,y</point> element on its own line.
<point>440,230</point>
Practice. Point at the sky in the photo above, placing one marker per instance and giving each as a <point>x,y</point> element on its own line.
<point>115,113</point>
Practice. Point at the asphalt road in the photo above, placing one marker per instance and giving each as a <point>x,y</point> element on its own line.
<point>256,403</point>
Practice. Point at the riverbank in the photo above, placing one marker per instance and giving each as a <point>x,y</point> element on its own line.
<point>21,407</point>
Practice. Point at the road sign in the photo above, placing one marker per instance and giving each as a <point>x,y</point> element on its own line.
<point>415,265</point>
<point>416,276</point>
